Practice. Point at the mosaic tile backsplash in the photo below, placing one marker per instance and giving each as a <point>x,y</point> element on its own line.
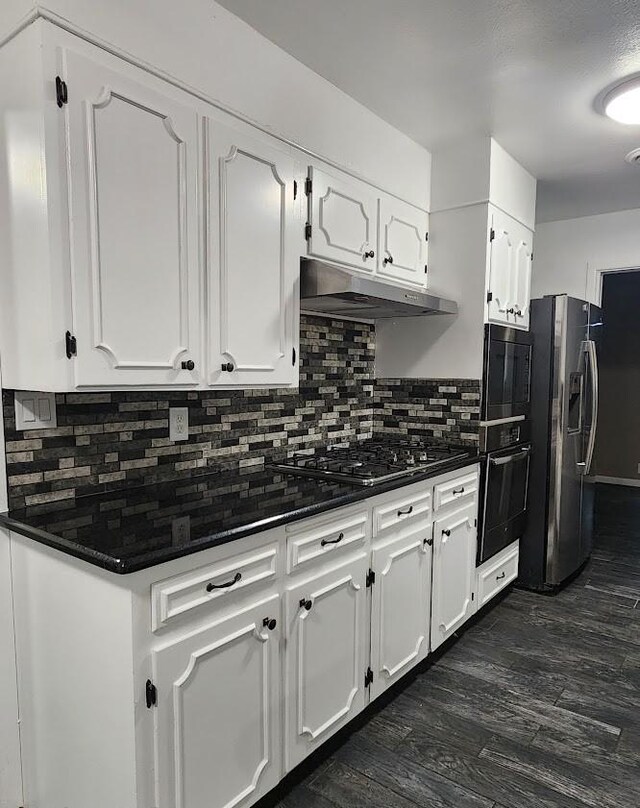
<point>110,440</point>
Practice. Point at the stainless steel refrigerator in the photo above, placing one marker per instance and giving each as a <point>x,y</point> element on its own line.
<point>564,416</point>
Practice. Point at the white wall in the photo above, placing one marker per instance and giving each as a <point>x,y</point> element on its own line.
<point>568,253</point>
<point>203,45</point>
<point>10,777</point>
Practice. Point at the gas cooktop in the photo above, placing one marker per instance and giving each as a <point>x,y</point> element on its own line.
<point>371,461</point>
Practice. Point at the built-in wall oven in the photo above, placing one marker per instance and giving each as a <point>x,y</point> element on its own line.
<point>507,373</point>
<point>505,484</point>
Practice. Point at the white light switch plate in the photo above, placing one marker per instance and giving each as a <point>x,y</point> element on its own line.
<point>178,423</point>
<point>35,410</point>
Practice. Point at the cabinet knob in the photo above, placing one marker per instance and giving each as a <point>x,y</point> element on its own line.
<point>428,542</point>
<point>511,311</point>
<point>306,604</point>
<point>270,623</point>
<point>227,366</point>
<point>188,365</point>
<point>446,532</point>
<point>518,312</point>
<point>369,254</point>
<point>388,260</point>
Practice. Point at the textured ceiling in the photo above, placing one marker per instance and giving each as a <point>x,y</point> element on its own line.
<point>525,71</point>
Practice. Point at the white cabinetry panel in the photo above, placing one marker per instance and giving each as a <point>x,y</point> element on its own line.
<point>509,281</point>
<point>343,219</point>
<point>454,554</point>
<point>400,607</point>
<point>217,721</point>
<point>134,249</point>
<point>253,263</point>
<point>403,242</point>
<point>326,646</point>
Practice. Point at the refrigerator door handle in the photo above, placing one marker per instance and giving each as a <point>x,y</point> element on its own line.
<point>593,362</point>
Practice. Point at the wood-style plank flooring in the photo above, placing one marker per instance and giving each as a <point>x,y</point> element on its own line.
<point>537,705</point>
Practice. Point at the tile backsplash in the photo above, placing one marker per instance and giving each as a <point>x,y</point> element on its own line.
<point>109,440</point>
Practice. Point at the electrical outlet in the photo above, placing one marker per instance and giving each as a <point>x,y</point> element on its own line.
<point>178,423</point>
<point>181,530</point>
<point>35,410</point>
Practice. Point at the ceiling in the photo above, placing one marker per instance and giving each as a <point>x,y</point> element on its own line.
<point>525,71</point>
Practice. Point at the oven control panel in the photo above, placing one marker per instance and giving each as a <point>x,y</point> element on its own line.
<point>502,435</point>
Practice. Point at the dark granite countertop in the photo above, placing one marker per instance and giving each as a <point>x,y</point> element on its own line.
<point>128,530</point>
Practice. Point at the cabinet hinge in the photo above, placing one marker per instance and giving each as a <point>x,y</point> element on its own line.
<point>295,189</point>
<point>426,269</point>
<point>492,234</point>
<point>371,578</point>
<point>489,297</point>
<point>307,231</point>
<point>62,95</point>
<point>71,344</point>
<point>308,186</point>
<point>473,596</point>
<point>532,255</point>
<point>426,236</point>
<point>151,694</point>
<point>368,677</point>
<point>293,356</point>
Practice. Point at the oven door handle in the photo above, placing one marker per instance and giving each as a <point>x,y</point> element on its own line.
<point>502,461</point>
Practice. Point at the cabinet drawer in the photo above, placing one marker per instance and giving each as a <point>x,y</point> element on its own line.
<point>496,573</point>
<point>214,582</point>
<point>403,508</point>
<point>314,542</point>
<point>461,488</point>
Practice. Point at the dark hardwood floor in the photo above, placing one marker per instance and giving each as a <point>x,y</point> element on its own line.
<point>537,705</point>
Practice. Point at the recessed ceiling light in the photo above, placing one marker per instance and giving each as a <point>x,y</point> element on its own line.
<point>622,104</point>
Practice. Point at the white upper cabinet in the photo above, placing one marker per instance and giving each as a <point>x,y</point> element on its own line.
<point>403,236</point>
<point>342,220</point>
<point>134,239</point>
<point>253,260</point>
<point>509,273</point>
<point>218,712</point>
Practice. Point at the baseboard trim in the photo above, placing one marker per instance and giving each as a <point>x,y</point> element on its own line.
<point>615,481</point>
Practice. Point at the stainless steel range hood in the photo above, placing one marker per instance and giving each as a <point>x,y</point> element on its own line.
<point>328,289</point>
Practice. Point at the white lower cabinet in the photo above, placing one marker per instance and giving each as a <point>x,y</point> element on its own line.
<point>218,711</point>
<point>454,555</point>
<point>400,606</point>
<point>326,646</point>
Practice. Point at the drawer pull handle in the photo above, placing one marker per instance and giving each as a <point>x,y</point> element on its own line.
<point>332,541</point>
<point>446,532</point>
<point>406,511</point>
<point>306,604</point>
<point>270,623</point>
<point>501,576</point>
<point>234,580</point>
<point>458,490</point>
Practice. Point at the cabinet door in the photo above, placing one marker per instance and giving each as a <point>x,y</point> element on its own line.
<point>217,717</point>
<point>343,219</point>
<point>327,624</point>
<point>134,244</point>
<point>454,554</point>
<point>253,262</point>
<point>400,607</point>
<point>402,252</point>
<point>521,276</point>
<point>500,304</point>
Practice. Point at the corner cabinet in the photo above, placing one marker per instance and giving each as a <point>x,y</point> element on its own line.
<point>253,260</point>
<point>133,172</point>
<point>509,271</point>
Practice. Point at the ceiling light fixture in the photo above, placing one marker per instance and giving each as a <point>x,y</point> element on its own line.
<point>622,104</point>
